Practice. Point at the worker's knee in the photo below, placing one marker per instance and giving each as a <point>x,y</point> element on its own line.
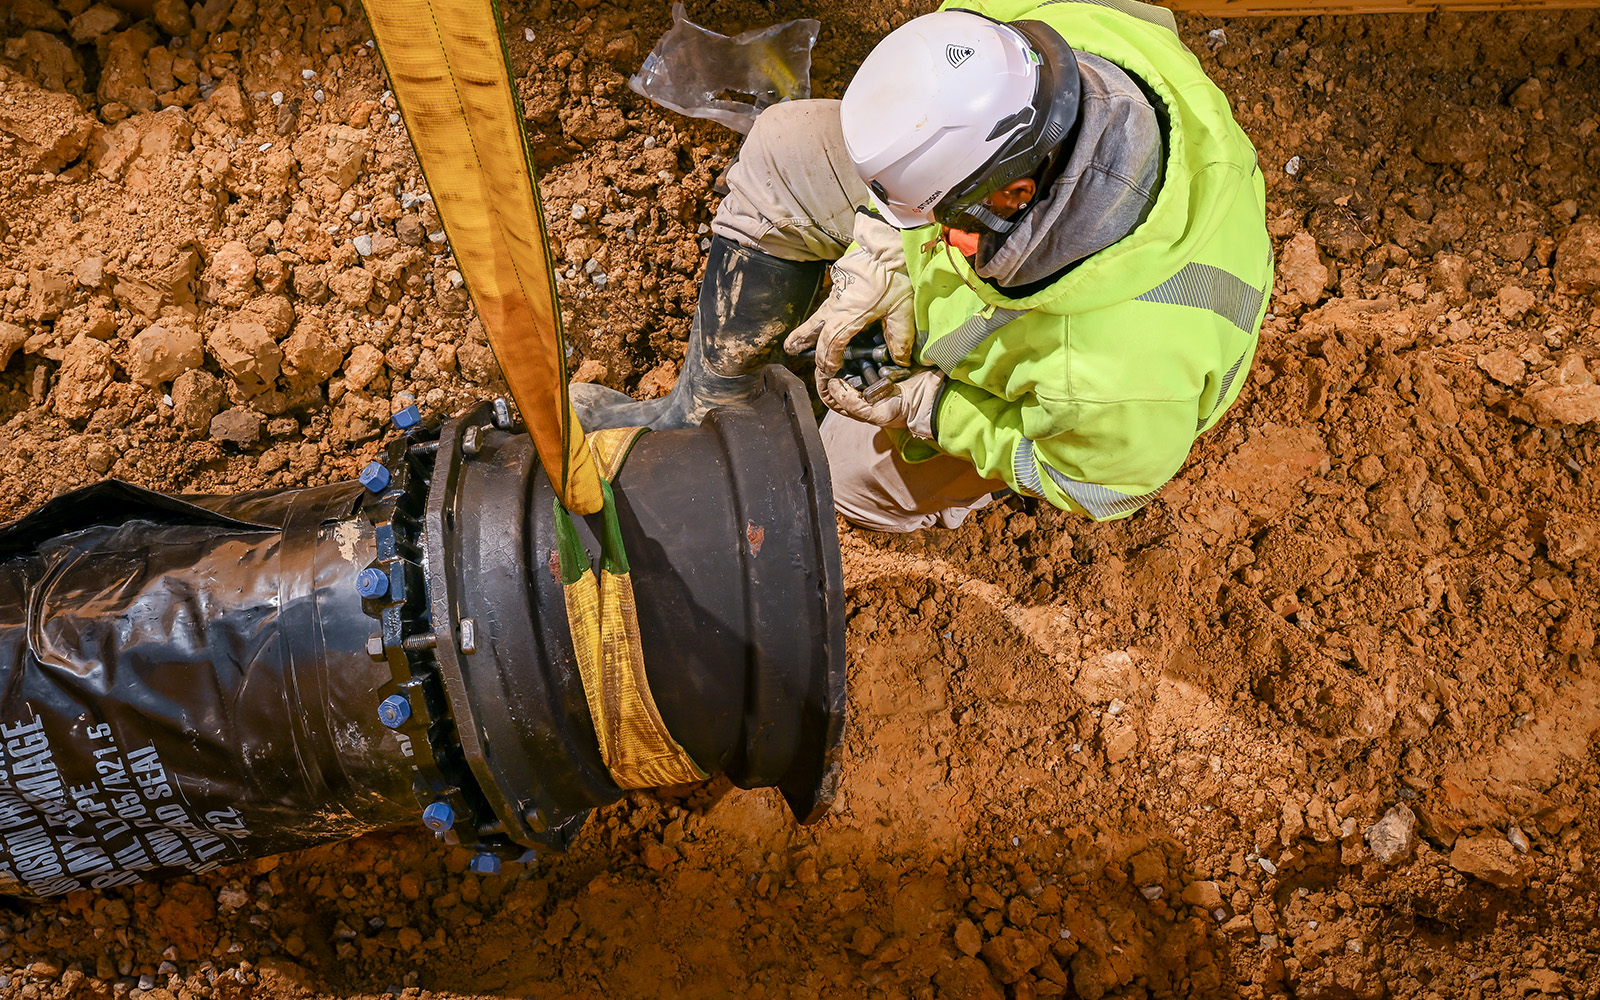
<point>786,135</point>
<point>792,193</point>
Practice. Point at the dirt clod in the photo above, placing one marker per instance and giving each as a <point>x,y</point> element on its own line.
<point>1577,260</point>
<point>1490,858</point>
<point>86,373</point>
<point>1300,269</point>
<point>163,351</point>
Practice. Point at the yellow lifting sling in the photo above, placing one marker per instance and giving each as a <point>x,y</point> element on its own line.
<point>449,70</point>
<point>451,75</point>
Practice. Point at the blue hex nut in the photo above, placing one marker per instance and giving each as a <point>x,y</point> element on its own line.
<point>375,477</point>
<point>394,710</point>
<point>484,864</point>
<point>438,817</point>
<point>407,418</point>
<point>372,582</point>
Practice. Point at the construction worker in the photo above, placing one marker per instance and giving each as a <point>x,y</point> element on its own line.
<point>1053,214</point>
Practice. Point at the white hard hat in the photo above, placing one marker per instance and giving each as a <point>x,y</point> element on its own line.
<point>950,107</point>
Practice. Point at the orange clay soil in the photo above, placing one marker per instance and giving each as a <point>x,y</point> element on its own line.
<point>1129,760</point>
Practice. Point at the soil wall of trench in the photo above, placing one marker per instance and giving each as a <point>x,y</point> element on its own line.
<point>1143,759</point>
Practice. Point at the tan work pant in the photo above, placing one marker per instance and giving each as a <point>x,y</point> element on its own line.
<point>793,194</point>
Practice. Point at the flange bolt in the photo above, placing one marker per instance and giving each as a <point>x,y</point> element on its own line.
<point>438,817</point>
<point>484,864</point>
<point>375,477</point>
<point>407,418</point>
<point>372,582</point>
<point>394,710</point>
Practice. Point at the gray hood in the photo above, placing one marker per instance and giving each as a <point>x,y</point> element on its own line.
<point>1106,189</point>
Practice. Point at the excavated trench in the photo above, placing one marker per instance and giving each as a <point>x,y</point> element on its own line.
<point>1133,760</point>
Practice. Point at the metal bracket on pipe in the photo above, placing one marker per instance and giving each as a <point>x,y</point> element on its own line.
<point>406,640</point>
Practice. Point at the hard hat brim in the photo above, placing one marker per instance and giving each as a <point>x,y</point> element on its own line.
<point>901,219</point>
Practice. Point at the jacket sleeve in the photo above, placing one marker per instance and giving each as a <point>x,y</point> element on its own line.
<point>1103,460</point>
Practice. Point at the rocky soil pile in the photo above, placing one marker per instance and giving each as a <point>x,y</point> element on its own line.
<point>1317,723</point>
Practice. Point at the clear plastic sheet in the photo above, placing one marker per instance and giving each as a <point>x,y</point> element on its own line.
<point>702,74</point>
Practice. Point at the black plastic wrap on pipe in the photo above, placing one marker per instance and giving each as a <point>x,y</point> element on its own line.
<point>192,682</point>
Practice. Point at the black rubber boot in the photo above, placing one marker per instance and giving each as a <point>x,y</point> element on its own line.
<point>749,301</point>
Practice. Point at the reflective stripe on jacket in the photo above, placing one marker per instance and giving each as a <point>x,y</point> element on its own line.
<point>1091,392</point>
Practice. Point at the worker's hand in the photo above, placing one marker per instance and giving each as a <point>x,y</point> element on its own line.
<point>908,404</point>
<point>869,283</point>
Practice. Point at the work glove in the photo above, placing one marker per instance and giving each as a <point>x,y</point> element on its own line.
<point>909,404</point>
<point>869,283</point>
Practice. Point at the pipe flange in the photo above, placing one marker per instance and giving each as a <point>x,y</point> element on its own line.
<point>393,591</point>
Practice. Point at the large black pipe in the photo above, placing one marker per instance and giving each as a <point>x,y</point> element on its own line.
<point>189,682</point>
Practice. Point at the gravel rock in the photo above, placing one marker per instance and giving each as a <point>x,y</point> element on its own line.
<point>985,897</point>
<point>410,231</point>
<point>1262,919</point>
<point>1489,858</point>
<point>1093,975</point>
<point>45,968</point>
<point>1337,232</point>
<point>48,60</point>
<point>273,312</point>
<point>1393,839</point>
<point>343,156</point>
<point>240,426</point>
<point>1517,839</point>
<point>163,351</point>
<point>85,375</point>
<point>1121,743</point>
<point>1514,302</point>
<point>477,363</point>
